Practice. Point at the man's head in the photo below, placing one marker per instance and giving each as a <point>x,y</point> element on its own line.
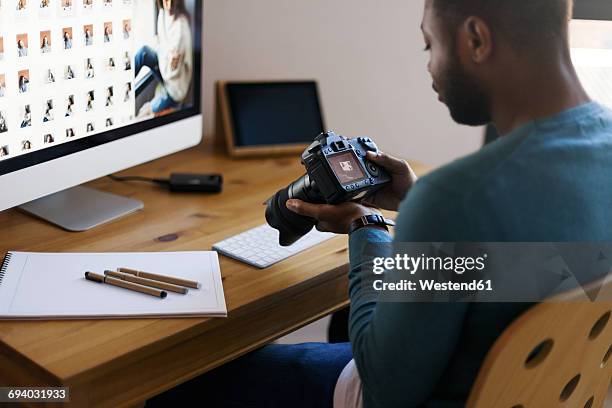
<point>474,42</point>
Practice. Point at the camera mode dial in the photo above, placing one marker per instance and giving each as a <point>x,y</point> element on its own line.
<point>368,144</point>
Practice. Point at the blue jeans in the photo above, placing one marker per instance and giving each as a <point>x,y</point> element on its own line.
<point>146,56</point>
<point>275,376</point>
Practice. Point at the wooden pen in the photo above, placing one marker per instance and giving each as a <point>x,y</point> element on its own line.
<point>147,282</point>
<point>162,278</point>
<point>94,277</point>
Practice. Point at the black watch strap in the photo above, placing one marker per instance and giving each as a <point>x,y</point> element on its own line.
<point>369,220</point>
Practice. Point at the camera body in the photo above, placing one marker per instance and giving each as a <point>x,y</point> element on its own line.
<point>339,169</point>
<point>337,172</point>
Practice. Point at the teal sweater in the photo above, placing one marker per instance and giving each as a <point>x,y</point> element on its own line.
<point>548,181</point>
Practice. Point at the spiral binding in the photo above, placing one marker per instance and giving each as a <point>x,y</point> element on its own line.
<point>4,267</point>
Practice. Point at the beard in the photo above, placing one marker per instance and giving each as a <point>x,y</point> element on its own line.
<point>467,102</point>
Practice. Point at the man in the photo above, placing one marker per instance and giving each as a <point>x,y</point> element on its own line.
<point>505,62</point>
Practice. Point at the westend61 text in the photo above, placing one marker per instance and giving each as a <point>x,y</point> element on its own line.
<point>431,285</point>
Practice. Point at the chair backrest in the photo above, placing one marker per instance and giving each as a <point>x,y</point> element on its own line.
<point>557,354</point>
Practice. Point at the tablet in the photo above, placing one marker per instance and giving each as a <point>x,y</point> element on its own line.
<point>263,118</point>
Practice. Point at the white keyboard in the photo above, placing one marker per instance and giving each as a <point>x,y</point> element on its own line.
<point>259,246</point>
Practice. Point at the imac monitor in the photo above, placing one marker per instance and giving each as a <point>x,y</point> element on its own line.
<point>91,87</point>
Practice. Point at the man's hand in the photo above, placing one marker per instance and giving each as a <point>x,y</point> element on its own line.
<point>331,218</point>
<point>402,180</point>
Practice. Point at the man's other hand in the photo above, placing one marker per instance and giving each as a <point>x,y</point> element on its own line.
<point>402,180</point>
<point>331,218</point>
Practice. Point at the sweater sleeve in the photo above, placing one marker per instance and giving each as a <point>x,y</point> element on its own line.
<point>402,349</point>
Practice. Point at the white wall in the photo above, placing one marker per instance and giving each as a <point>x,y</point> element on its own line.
<point>366,55</point>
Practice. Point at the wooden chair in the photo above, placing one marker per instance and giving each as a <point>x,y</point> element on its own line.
<point>557,354</point>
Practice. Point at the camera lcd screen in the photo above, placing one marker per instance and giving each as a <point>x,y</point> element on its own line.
<point>346,167</point>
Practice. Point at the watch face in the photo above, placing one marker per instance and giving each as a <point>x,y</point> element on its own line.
<point>373,219</point>
<point>378,218</point>
<point>368,220</point>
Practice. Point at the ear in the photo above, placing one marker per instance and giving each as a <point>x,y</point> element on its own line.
<point>478,39</point>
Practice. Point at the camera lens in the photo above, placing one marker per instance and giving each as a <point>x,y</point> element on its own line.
<point>290,225</point>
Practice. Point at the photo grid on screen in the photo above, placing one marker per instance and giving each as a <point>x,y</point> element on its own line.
<point>68,69</point>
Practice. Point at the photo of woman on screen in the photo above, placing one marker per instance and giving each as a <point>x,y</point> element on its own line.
<point>90,101</point>
<point>89,69</point>
<point>171,62</point>
<point>45,44</point>
<point>24,81</point>
<point>67,6</point>
<point>22,45</point>
<point>48,117</point>
<point>109,96</point>
<point>126,29</point>
<point>108,32</point>
<point>3,126</point>
<point>49,76</point>
<point>68,73</point>
<point>88,31</point>
<point>27,117</point>
<point>69,105</point>
<point>128,92</point>
<point>67,38</point>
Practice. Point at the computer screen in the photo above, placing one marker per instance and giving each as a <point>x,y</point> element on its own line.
<point>275,113</point>
<point>75,74</point>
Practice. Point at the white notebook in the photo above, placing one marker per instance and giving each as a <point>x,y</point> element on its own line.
<point>53,286</point>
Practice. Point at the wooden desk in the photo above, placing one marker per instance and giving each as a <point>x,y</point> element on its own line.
<point>115,363</point>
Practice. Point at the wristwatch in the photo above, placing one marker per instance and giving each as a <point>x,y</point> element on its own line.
<point>372,219</point>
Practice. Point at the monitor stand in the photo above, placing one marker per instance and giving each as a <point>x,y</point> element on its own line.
<point>81,208</point>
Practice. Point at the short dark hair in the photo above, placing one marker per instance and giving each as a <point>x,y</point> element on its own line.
<point>525,23</point>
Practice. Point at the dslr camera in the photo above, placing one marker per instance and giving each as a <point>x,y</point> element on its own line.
<point>336,172</point>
